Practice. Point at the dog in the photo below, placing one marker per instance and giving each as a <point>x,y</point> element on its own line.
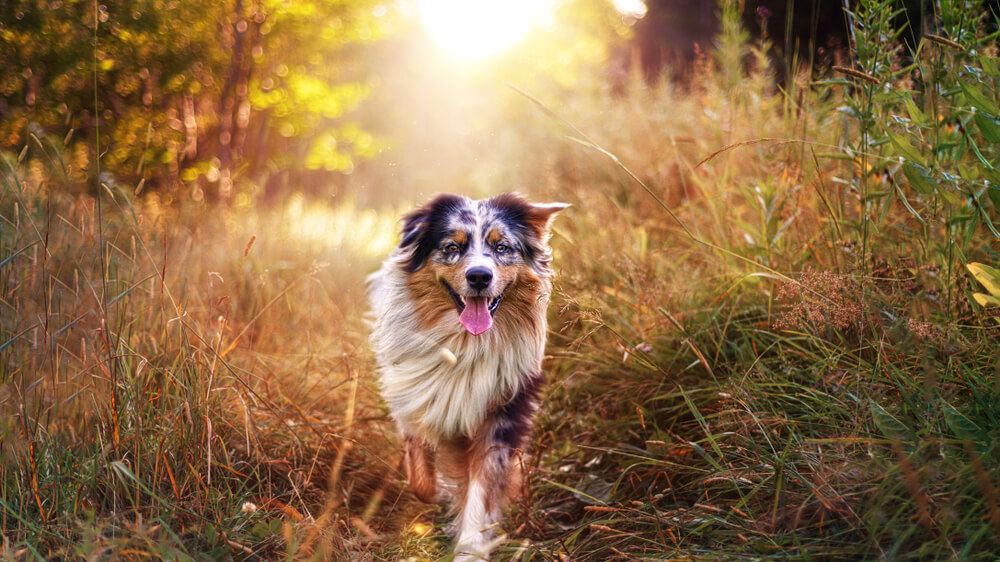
<point>458,331</point>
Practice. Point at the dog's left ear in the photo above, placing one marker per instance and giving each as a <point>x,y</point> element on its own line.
<point>540,215</point>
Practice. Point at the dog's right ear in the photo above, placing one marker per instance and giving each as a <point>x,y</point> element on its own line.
<point>414,224</point>
<point>423,229</point>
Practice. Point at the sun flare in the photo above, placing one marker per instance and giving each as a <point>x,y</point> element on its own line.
<point>475,29</point>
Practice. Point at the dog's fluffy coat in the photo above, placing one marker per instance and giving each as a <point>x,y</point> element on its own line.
<point>459,335</point>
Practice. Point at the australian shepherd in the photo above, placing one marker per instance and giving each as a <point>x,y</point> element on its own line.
<point>458,334</point>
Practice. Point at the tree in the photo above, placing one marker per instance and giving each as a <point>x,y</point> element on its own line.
<point>188,92</point>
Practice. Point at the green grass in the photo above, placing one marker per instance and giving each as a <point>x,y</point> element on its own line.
<point>762,338</point>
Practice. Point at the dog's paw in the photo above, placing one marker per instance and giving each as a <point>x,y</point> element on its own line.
<point>477,546</point>
<point>468,553</point>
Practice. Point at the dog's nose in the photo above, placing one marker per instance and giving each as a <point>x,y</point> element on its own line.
<point>479,278</point>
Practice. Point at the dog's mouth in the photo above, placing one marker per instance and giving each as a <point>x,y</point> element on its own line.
<point>475,312</point>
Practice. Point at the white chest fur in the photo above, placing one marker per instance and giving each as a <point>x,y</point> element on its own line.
<point>441,381</point>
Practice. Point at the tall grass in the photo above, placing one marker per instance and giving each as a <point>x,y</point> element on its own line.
<point>148,408</point>
<point>843,414</point>
<point>784,361</point>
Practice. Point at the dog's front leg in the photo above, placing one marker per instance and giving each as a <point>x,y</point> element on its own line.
<point>489,478</point>
<point>494,471</point>
<point>419,463</point>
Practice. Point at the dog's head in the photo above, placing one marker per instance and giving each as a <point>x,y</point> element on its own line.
<point>469,254</point>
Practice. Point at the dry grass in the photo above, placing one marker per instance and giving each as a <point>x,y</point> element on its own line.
<point>223,377</point>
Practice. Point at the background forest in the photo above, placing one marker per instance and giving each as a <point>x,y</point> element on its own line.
<point>775,322</point>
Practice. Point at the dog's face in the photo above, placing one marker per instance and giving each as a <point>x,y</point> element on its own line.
<point>470,254</point>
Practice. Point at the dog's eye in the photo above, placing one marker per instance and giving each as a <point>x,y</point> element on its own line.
<point>502,248</point>
<point>451,248</point>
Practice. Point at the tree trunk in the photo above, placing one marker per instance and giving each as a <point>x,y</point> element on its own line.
<point>229,102</point>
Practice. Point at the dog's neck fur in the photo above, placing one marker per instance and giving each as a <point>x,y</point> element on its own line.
<point>439,380</point>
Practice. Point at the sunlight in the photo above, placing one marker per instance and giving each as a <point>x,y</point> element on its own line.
<point>475,29</point>
<point>635,9</point>
<point>365,232</point>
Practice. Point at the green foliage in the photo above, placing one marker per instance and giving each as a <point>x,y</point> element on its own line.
<point>989,278</point>
<point>932,120</point>
<point>189,91</point>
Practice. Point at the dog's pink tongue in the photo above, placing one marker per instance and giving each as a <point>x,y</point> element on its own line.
<point>476,315</point>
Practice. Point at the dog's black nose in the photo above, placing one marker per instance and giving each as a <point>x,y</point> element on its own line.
<point>479,278</point>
